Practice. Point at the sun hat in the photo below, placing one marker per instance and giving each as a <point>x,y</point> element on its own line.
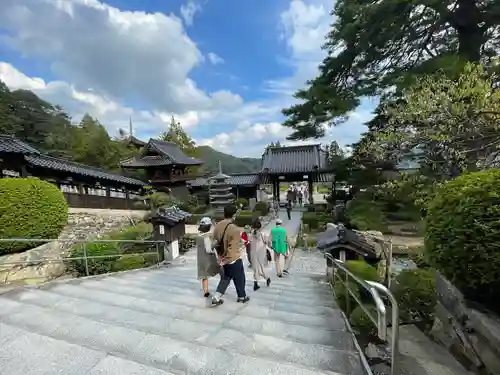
<point>205,221</point>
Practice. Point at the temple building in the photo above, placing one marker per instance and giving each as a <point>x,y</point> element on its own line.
<point>167,167</point>
<point>83,186</point>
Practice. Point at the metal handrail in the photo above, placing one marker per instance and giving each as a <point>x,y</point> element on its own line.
<point>85,256</point>
<point>373,288</point>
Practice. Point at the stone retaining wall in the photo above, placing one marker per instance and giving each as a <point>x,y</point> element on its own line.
<point>472,336</point>
<point>82,224</point>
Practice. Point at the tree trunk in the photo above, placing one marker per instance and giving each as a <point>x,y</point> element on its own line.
<point>471,37</point>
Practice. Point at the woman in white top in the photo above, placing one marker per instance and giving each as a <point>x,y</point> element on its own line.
<point>259,254</point>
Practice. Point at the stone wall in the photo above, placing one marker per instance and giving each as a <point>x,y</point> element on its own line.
<point>82,224</point>
<point>472,336</point>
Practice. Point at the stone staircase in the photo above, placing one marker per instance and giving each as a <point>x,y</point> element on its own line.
<point>155,322</point>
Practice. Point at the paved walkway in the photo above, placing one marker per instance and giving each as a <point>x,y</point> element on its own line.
<point>154,322</point>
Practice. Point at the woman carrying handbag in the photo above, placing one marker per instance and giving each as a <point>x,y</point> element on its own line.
<point>260,254</point>
<point>207,261</point>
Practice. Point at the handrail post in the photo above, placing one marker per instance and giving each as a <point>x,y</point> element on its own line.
<point>394,324</point>
<point>86,259</point>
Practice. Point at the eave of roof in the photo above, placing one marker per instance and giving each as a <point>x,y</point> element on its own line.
<point>294,159</point>
<point>42,161</point>
<point>9,144</point>
<point>173,151</point>
<point>247,179</point>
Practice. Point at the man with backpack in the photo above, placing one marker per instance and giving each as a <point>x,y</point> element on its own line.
<point>227,237</point>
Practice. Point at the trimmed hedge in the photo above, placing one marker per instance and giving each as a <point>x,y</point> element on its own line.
<point>30,208</point>
<point>463,235</point>
<point>241,201</point>
<point>245,218</point>
<point>262,207</point>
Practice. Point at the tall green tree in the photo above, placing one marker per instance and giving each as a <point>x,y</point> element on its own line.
<point>176,134</point>
<point>454,124</point>
<point>374,46</point>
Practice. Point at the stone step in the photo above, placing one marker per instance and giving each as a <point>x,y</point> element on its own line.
<point>277,285</point>
<point>268,293</point>
<point>29,353</point>
<point>183,297</point>
<point>196,356</point>
<point>264,291</point>
<point>185,306</point>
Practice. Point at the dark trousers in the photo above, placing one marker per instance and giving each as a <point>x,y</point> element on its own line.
<point>235,272</point>
<point>289,213</point>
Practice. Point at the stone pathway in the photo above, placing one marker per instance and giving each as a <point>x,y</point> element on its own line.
<point>154,322</point>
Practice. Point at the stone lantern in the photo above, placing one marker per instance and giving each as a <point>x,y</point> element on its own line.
<point>169,225</point>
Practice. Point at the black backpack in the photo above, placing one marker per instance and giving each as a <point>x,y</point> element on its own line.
<point>219,245</point>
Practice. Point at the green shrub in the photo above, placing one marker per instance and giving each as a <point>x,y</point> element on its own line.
<point>365,214</point>
<point>463,235</point>
<point>245,218</point>
<point>194,219</point>
<point>129,262</point>
<point>242,201</point>
<point>115,256</point>
<point>96,266</point>
<point>342,295</point>
<point>200,209</point>
<point>415,291</point>
<point>362,323</point>
<point>366,272</point>
<point>262,207</point>
<point>187,242</point>
<point>30,208</point>
<point>363,270</point>
<point>311,220</point>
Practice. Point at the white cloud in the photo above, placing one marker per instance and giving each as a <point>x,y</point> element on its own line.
<point>110,113</point>
<point>136,57</point>
<point>215,59</point>
<point>189,10</point>
<point>124,55</point>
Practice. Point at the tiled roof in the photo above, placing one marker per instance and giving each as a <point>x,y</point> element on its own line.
<point>174,152</point>
<point>146,161</point>
<point>136,141</point>
<point>13,145</point>
<point>249,179</point>
<point>170,215</point>
<point>168,154</point>
<point>294,159</point>
<point>67,166</point>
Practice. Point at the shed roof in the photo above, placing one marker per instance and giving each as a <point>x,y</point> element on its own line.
<point>167,153</point>
<point>294,159</point>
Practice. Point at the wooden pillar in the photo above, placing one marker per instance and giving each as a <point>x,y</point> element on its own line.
<point>278,186</point>
<point>310,187</point>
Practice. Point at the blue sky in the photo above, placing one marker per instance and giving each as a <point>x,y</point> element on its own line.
<point>223,68</point>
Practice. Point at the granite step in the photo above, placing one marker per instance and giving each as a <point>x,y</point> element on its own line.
<point>276,286</point>
<point>194,355</point>
<point>264,293</point>
<point>40,355</point>
<point>200,318</point>
<point>154,291</point>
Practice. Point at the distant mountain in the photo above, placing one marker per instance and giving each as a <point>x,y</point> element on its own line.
<point>230,164</point>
